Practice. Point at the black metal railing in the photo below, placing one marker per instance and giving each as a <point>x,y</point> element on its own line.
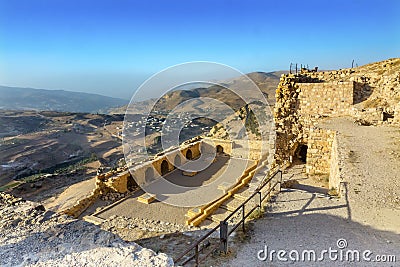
<point>225,232</point>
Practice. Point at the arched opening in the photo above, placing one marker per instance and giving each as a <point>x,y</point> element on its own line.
<point>189,154</point>
<point>131,184</point>
<point>148,175</point>
<point>164,167</point>
<point>220,149</point>
<point>177,161</point>
<point>302,153</point>
<point>386,116</point>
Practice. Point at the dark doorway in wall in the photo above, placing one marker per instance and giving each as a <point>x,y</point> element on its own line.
<point>220,149</point>
<point>149,175</point>
<point>177,161</point>
<point>302,153</point>
<point>189,154</point>
<point>131,184</point>
<point>164,167</point>
<point>386,116</point>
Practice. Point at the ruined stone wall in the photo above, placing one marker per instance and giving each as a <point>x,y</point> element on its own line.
<point>319,152</point>
<point>77,209</point>
<point>152,169</point>
<point>325,99</point>
<point>301,101</point>
<point>117,180</point>
<point>289,122</point>
<point>112,181</point>
<point>119,183</point>
<point>376,89</point>
<point>209,145</point>
<point>396,118</point>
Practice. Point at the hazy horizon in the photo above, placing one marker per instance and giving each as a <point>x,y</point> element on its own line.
<point>111,48</point>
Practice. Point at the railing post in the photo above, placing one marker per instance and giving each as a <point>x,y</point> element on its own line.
<point>243,228</point>
<point>197,255</point>
<point>223,236</point>
<point>259,201</point>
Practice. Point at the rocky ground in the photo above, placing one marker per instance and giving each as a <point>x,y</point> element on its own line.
<point>31,236</point>
<point>160,236</point>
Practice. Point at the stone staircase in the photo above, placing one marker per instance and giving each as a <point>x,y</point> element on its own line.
<point>212,214</point>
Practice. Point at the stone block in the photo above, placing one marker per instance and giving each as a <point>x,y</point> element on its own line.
<point>146,198</point>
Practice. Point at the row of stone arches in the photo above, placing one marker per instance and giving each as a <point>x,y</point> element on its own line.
<point>165,165</point>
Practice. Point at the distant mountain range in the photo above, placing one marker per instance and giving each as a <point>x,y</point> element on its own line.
<point>16,98</point>
<point>266,82</point>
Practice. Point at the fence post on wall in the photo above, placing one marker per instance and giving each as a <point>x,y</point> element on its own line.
<point>223,236</point>
<point>197,255</point>
<point>243,226</point>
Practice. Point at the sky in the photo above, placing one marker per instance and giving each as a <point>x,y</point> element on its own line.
<point>110,47</point>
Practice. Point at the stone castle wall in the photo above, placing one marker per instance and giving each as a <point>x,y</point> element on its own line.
<point>319,152</point>
<point>121,179</point>
<point>302,100</point>
<point>325,99</point>
<point>152,169</point>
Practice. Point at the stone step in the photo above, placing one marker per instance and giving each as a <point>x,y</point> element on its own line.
<point>257,178</point>
<point>225,187</point>
<point>146,198</point>
<point>193,212</point>
<point>219,215</point>
<point>243,193</point>
<point>252,188</point>
<point>231,204</point>
<point>208,224</point>
<point>93,219</point>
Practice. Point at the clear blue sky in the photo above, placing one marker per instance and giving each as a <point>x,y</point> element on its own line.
<point>110,47</point>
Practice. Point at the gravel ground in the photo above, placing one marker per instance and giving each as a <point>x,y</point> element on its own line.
<point>300,220</point>
<point>371,172</point>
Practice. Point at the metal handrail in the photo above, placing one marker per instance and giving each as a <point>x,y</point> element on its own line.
<point>224,224</point>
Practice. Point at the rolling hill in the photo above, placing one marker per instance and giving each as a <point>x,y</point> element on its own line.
<point>267,82</point>
<point>16,98</point>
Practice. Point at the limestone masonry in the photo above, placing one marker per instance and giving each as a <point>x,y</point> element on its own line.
<point>370,94</point>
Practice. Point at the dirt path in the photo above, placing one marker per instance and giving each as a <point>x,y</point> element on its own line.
<point>367,216</point>
<point>371,172</point>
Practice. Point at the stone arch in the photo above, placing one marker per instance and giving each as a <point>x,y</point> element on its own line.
<point>164,167</point>
<point>189,154</point>
<point>219,149</point>
<point>302,152</point>
<point>149,174</point>
<point>177,161</point>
